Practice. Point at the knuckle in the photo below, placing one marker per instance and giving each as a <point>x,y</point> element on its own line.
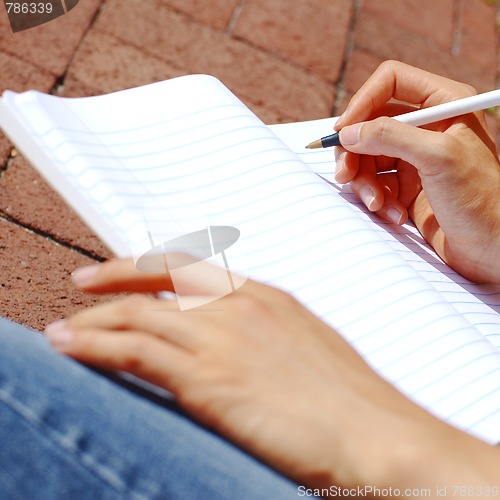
<point>445,152</point>
<point>281,297</point>
<point>468,90</point>
<point>261,301</point>
<point>131,307</point>
<point>134,358</point>
<point>247,305</point>
<point>456,90</point>
<point>379,131</point>
<point>81,340</point>
<point>390,65</point>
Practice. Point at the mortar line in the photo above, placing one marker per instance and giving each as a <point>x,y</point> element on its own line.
<point>11,220</point>
<point>8,161</point>
<point>61,78</point>
<point>456,41</point>
<point>349,47</point>
<point>234,17</point>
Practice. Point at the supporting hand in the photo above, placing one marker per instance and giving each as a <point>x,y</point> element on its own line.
<point>263,371</point>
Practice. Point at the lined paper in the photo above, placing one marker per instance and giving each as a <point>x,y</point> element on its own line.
<point>175,157</point>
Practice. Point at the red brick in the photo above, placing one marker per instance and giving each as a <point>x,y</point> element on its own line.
<point>374,35</point>
<point>74,88</point>
<point>50,46</point>
<point>26,198</point>
<point>36,287</point>
<point>429,19</point>
<point>105,64</point>
<point>20,76</point>
<point>479,35</point>
<point>269,116</point>
<point>360,67</point>
<point>216,13</point>
<point>5,148</point>
<point>255,76</point>
<point>312,34</point>
<point>344,101</point>
<point>100,67</point>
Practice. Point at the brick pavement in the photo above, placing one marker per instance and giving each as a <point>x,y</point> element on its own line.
<point>285,63</point>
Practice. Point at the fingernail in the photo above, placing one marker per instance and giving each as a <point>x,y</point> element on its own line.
<point>59,334</point>
<point>339,120</point>
<point>350,135</point>
<point>84,275</point>
<point>394,215</point>
<point>367,197</point>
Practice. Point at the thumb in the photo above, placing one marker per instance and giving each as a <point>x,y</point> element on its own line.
<point>429,151</point>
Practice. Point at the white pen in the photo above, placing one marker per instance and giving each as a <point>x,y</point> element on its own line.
<point>425,116</point>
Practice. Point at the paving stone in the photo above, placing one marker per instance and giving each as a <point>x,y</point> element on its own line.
<point>270,116</point>
<point>312,34</point>
<point>216,13</point>
<point>105,64</point>
<point>99,78</point>
<point>430,19</point>
<point>19,76</point>
<point>360,67</point>
<point>5,148</point>
<point>35,288</point>
<point>390,42</point>
<point>74,88</point>
<point>27,198</point>
<point>254,75</point>
<point>50,46</point>
<point>479,34</point>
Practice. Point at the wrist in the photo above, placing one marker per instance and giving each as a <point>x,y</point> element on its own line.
<point>444,458</point>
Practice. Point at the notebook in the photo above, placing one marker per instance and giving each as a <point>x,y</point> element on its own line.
<point>151,163</point>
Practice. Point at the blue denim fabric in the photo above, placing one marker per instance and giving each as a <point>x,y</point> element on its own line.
<point>68,432</point>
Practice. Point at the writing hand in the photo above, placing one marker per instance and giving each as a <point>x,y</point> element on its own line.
<point>446,177</point>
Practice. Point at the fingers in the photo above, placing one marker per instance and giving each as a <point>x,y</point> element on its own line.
<point>367,187</point>
<point>119,275</point>
<point>183,274</point>
<point>387,137</point>
<point>385,145</point>
<point>396,80</point>
<point>388,205</point>
<point>142,355</point>
<point>346,165</point>
<point>159,318</point>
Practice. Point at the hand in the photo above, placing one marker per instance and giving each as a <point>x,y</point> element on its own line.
<point>446,177</point>
<point>263,371</point>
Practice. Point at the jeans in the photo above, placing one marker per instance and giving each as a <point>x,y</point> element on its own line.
<point>69,432</point>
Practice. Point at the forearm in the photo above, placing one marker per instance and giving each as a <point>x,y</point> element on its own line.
<point>404,448</point>
<point>442,461</point>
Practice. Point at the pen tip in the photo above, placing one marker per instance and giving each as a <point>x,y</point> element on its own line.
<point>315,144</point>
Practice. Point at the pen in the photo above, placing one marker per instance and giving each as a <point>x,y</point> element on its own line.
<point>429,115</point>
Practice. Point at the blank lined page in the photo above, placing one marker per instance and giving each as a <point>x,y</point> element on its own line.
<point>175,157</point>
